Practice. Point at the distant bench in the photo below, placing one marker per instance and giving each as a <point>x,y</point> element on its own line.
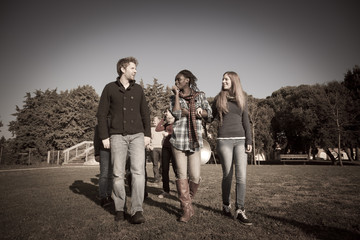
<point>294,158</point>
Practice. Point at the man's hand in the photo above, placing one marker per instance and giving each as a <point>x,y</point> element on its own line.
<point>106,143</point>
<point>147,141</point>
<point>97,158</point>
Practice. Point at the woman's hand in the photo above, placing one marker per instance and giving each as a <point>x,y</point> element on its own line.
<point>175,90</point>
<point>248,148</point>
<point>199,112</point>
<point>184,112</point>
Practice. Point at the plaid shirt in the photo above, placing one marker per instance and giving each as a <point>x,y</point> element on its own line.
<point>180,137</point>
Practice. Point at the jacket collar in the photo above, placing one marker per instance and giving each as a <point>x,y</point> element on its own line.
<point>121,87</point>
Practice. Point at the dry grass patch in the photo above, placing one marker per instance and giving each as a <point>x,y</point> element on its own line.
<point>284,202</point>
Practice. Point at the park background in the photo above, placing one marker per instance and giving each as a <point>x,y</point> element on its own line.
<point>298,62</point>
<point>64,52</point>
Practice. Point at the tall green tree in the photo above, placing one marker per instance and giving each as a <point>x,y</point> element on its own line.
<point>49,120</point>
<point>351,136</point>
<point>77,117</point>
<point>33,122</point>
<point>295,117</point>
<point>336,115</point>
<point>261,115</point>
<point>157,98</point>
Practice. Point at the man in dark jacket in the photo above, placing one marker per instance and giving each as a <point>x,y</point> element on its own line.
<point>128,134</point>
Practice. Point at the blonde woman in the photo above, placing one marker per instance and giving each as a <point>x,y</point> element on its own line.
<point>233,142</point>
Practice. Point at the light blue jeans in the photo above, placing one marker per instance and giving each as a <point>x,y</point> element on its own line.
<point>185,159</point>
<point>133,146</point>
<point>232,152</point>
<point>106,174</point>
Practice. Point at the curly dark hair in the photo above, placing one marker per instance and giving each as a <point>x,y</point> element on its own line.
<point>192,79</point>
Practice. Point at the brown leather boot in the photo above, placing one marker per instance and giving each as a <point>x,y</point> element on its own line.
<point>193,188</point>
<point>182,186</point>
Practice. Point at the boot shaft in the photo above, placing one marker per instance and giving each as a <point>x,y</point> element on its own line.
<point>193,188</point>
<point>182,186</point>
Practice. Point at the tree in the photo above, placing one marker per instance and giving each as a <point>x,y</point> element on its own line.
<point>157,98</point>
<point>295,118</point>
<point>49,120</point>
<point>76,117</point>
<point>2,144</point>
<point>337,114</point>
<point>261,114</point>
<point>211,129</point>
<point>352,83</point>
<point>34,121</point>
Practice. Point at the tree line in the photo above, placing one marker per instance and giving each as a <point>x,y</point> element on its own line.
<point>298,119</point>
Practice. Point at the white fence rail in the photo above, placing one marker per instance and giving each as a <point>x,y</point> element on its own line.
<point>79,150</point>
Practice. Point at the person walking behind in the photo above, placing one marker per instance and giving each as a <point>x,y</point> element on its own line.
<point>189,106</point>
<point>233,142</point>
<point>102,155</point>
<point>155,150</point>
<point>165,126</point>
<point>128,134</point>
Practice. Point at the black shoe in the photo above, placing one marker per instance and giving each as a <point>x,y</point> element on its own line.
<point>105,202</point>
<point>120,216</point>
<point>240,215</point>
<point>227,210</point>
<point>137,218</point>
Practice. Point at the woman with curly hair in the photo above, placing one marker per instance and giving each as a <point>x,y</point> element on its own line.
<point>189,106</point>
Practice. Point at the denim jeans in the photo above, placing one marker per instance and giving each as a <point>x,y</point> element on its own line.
<point>106,174</point>
<point>133,146</point>
<point>166,158</point>
<point>184,159</point>
<point>232,152</point>
<point>156,160</point>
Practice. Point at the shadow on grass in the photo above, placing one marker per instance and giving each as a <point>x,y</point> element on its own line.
<point>169,208</point>
<point>207,208</point>
<point>321,232</point>
<point>90,191</point>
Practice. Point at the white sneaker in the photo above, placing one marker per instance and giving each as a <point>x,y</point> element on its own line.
<point>164,194</point>
<point>240,215</point>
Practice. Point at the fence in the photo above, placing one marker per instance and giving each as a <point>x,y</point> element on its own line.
<point>80,150</point>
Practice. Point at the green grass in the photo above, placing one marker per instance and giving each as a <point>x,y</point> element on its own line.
<point>283,201</point>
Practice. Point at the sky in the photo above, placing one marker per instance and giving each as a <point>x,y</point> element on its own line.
<point>48,44</point>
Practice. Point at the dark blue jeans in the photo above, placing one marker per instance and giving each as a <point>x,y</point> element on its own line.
<point>106,174</point>
<point>166,158</point>
<point>156,159</point>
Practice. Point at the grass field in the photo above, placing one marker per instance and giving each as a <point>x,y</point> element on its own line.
<point>283,201</point>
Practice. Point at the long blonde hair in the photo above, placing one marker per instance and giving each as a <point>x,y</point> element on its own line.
<point>235,92</point>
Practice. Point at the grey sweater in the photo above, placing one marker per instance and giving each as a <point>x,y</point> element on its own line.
<point>235,123</point>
